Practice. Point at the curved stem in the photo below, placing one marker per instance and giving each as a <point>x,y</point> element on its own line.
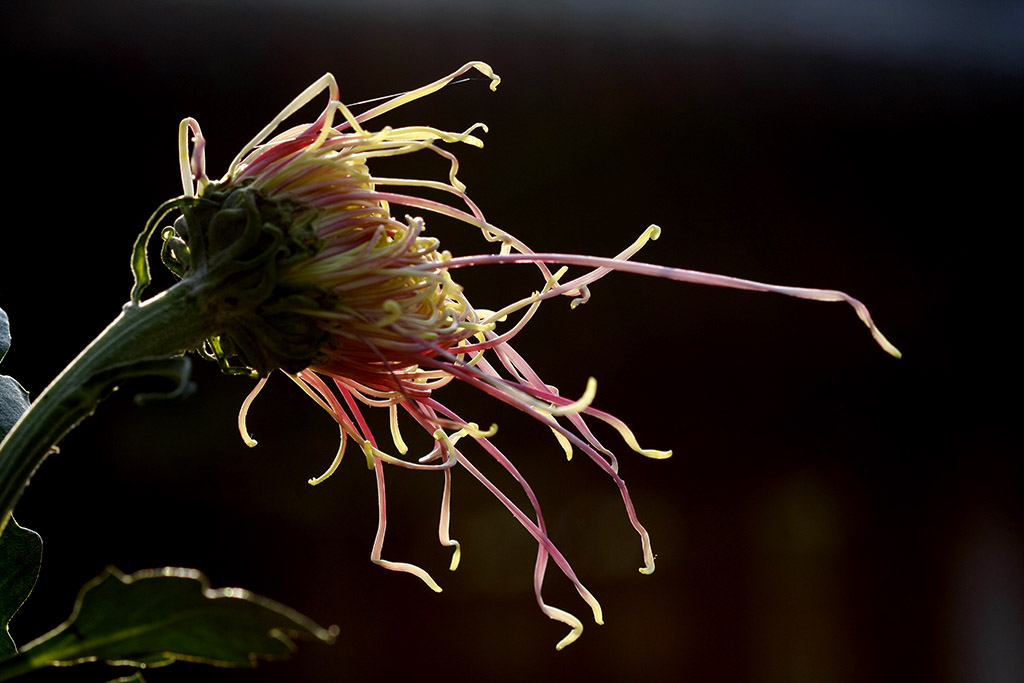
<point>16,665</point>
<point>137,342</point>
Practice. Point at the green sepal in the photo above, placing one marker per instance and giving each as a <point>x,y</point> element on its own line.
<point>158,616</point>
<point>140,257</point>
<point>21,554</point>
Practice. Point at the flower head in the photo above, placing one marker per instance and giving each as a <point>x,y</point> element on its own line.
<point>297,255</point>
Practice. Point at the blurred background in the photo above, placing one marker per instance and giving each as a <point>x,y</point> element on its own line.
<point>830,514</point>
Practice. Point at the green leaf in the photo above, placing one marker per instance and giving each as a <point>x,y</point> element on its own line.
<point>5,334</point>
<point>13,402</point>
<point>13,397</point>
<point>157,616</point>
<point>21,553</point>
<point>21,550</point>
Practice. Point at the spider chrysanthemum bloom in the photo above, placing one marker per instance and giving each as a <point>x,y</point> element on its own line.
<point>296,255</point>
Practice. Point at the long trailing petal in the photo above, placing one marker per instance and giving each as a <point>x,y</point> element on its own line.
<point>680,275</point>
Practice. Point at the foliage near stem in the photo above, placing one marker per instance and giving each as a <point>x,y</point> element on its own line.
<point>158,616</point>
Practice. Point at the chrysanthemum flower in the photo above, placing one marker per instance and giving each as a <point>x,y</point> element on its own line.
<point>298,256</point>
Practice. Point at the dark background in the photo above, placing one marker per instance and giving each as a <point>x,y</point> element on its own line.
<point>830,514</point>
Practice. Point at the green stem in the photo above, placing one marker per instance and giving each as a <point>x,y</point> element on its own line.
<point>137,343</point>
<point>17,665</point>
